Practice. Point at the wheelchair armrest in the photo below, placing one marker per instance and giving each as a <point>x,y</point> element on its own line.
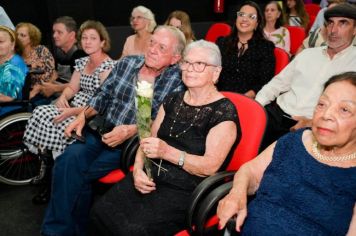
<point>203,189</point>
<point>14,103</point>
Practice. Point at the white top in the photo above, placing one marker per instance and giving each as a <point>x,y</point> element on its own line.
<point>298,86</point>
<point>131,49</point>
<point>280,37</point>
<point>319,20</point>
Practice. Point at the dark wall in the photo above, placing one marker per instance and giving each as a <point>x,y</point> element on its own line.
<point>110,12</point>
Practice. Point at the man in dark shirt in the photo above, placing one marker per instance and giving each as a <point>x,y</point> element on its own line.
<point>83,162</point>
<point>65,53</point>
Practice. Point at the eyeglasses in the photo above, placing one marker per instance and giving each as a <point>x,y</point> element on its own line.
<point>132,18</point>
<point>249,16</point>
<point>198,66</point>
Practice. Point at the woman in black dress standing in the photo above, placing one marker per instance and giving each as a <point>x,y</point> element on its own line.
<point>247,57</point>
<point>191,137</point>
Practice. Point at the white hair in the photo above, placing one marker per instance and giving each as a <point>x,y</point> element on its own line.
<point>177,34</point>
<point>213,51</point>
<point>147,13</point>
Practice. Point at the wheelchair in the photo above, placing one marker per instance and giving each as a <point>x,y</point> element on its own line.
<point>18,166</point>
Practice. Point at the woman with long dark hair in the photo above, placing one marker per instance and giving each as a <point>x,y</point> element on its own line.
<point>247,57</point>
<point>296,14</point>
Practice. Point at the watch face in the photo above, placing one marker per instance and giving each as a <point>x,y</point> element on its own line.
<point>181,162</point>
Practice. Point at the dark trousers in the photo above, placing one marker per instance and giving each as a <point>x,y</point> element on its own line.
<point>278,124</point>
<point>81,163</point>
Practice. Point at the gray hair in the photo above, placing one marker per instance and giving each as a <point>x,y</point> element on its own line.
<point>147,13</point>
<point>214,55</point>
<point>177,34</point>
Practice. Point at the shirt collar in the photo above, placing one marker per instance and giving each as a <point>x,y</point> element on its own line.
<point>346,50</point>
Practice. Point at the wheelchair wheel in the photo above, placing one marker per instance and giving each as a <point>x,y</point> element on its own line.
<point>17,165</point>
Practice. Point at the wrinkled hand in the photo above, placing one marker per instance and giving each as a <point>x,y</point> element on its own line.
<point>65,113</point>
<point>301,122</point>
<point>154,147</point>
<point>48,89</point>
<point>231,205</point>
<point>115,137</point>
<point>62,102</point>
<point>142,183</point>
<point>76,125</point>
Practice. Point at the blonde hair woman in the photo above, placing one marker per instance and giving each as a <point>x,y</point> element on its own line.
<point>143,23</point>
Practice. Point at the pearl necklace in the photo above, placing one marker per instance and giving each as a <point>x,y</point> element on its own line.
<point>319,156</point>
<point>174,122</point>
<point>194,119</point>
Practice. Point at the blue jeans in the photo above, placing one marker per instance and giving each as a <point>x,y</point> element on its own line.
<point>73,172</point>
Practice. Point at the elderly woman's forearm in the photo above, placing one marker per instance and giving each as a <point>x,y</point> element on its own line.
<point>244,181</point>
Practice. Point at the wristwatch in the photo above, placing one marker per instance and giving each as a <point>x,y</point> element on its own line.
<point>181,159</point>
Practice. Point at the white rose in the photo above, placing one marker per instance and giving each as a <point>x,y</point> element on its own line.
<point>144,89</point>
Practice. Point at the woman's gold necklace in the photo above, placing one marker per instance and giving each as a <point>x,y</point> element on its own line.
<point>177,135</point>
<point>319,156</point>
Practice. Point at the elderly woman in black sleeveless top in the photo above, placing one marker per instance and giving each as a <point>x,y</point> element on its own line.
<point>247,57</point>
<point>191,137</point>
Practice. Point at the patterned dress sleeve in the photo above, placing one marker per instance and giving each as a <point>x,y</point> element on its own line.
<point>286,39</point>
<point>11,80</point>
<point>44,61</point>
<point>225,111</point>
<point>106,65</point>
<point>80,64</point>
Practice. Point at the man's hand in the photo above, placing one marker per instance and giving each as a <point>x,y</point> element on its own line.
<point>118,135</point>
<point>301,122</point>
<point>142,183</point>
<point>250,94</point>
<point>76,125</point>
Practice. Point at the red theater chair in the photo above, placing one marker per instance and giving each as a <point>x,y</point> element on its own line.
<point>282,60</point>
<point>217,30</point>
<point>297,35</point>
<point>253,121</point>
